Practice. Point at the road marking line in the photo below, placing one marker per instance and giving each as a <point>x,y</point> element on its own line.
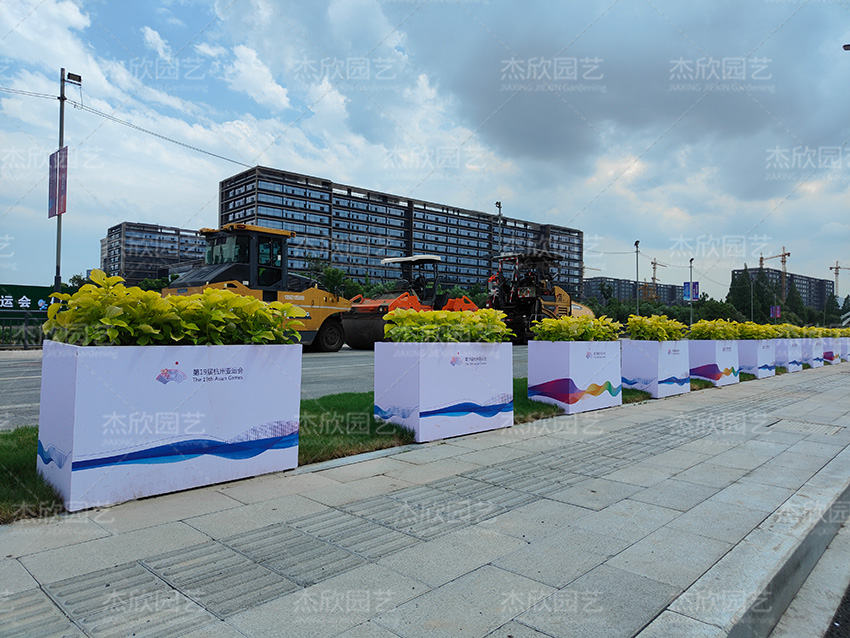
<point>38,376</point>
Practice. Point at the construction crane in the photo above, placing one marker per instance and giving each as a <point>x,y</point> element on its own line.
<point>782,256</point>
<point>584,270</point>
<point>836,268</point>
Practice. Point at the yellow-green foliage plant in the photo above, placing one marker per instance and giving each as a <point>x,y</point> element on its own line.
<point>811,332</point>
<point>788,331</point>
<point>444,326</point>
<point>655,328</point>
<point>717,329</point>
<point>582,328</point>
<point>106,312</point>
<point>750,330</point>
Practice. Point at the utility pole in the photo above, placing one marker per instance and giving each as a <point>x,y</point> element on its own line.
<point>691,291</point>
<point>637,279</point>
<point>71,78</point>
<point>499,207</point>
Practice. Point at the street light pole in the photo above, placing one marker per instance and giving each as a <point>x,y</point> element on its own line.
<point>691,291</point>
<point>499,206</point>
<point>57,278</point>
<point>73,78</point>
<point>637,279</point>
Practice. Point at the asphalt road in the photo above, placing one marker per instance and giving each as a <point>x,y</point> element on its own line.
<point>321,374</point>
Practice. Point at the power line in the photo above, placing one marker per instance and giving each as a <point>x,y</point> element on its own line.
<point>28,93</point>
<point>141,129</point>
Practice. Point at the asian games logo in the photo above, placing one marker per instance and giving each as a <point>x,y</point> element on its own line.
<point>171,374</point>
<point>456,360</point>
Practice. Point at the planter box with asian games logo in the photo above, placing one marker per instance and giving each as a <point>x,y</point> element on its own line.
<point>442,390</point>
<point>575,375</point>
<point>658,367</point>
<point>831,351</point>
<point>757,357</point>
<point>844,347</point>
<point>715,361</point>
<point>789,354</point>
<point>122,422</point>
<point>813,352</point>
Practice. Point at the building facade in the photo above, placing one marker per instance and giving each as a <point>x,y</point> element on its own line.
<point>137,251</point>
<point>624,290</point>
<point>354,228</point>
<point>813,291</point>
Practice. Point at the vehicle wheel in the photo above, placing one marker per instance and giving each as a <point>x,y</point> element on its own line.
<point>331,336</point>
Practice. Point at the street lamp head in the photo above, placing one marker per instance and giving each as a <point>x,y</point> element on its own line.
<point>847,47</point>
<point>637,242</point>
<point>691,261</point>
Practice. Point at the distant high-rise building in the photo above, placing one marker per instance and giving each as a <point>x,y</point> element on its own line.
<point>137,251</point>
<point>355,228</point>
<point>813,291</point>
<point>600,288</point>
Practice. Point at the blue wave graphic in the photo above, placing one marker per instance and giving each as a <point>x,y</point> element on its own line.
<point>184,450</point>
<point>462,409</point>
<point>640,382</point>
<point>767,366</point>
<point>401,412</point>
<point>52,454</point>
<point>680,381</point>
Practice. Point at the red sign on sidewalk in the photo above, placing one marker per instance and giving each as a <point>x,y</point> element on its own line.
<point>58,183</point>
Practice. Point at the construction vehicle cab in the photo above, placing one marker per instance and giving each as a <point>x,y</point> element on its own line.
<point>253,260</point>
<point>523,288</point>
<point>417,289</point>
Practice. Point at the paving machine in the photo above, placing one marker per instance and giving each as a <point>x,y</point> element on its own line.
<point>524,289</point>
<point>417,289</point>
<point>253,260</point>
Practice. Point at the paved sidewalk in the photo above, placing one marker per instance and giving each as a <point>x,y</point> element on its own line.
<point>699,515</point>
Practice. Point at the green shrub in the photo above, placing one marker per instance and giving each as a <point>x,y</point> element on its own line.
<point>108,313</point>
<point>486,325</point>
<point>655,328</point>
<point>750,330</point>
<point>716,329</point>
<point>582,328</point>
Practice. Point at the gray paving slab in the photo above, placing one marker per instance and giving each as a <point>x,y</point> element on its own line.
<point>605,602</point>
<point>711,474</point>
<point>553,561</point>
<point>720,521</point>
<point>537,519</point>
<point>14,578</point>
<point>754,496</point>
<point>670,624</point>
<point>671,556</point>
<point>31,614</point>
<point>675,494</point>
<point>442,560</point>
<point>595,494</point>
<point>628,520</point>
<point>473,605</point>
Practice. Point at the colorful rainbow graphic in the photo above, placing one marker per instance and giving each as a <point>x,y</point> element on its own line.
<point>566,391</point>
<point>711,371</point>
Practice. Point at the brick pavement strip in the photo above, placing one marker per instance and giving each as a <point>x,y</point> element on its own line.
<point>682,516</point>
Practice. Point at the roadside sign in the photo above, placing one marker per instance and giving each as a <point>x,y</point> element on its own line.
<point>58,183</point>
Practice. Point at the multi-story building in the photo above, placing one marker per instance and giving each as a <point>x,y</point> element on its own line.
<point>624,290</point>
<point>813,291</point>
<point>137,251</point>
<point>355,228</point>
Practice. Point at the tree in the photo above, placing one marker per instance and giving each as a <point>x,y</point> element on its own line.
<point>78,281</point>
<point>157,284</point>
<point>831,311</point>
<point>794,302</point>
<point>740,294</point>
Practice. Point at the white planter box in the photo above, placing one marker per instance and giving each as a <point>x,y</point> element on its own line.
<point>441,390</point>
<point>715,361</point>
<point>757,357</point>
<point>658,367</point>
<point>813,352</point>
<point>123,422</point>
<point>789,354</point>
<point>844,344</point>
<point>831,355</point>
<point>575,375</point>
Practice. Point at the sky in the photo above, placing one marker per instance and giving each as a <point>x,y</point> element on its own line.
<point>711,130</point>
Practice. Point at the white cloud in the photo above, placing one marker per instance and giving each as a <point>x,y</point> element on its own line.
<point>154,42</point>
<point>248,74</point>
<point>210,50</point>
